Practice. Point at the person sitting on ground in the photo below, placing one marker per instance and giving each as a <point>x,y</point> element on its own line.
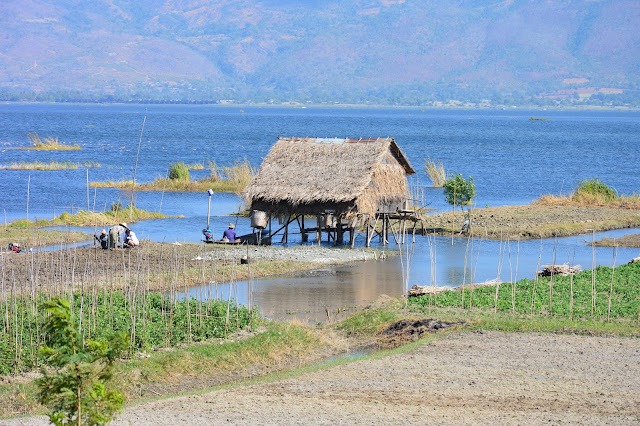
<point>102,239</point>
<point>208,235</point>
<point>230,234</point>
<point>130,239</point>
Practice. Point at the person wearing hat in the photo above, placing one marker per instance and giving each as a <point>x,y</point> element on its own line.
<point>102,239</point>
<point>130,239</point>
<point>229,233</point>
<point>116,234</point>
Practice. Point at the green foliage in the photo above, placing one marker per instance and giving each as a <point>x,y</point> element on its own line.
<point>546,296</point>
<point>593,188</point>
<point>459,191</point>
<point>178,171</point>
<point>72,384</point>
<point>159,322</point>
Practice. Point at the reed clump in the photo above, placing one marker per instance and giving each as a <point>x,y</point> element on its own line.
<point>52,165</point>
<point>49,143</point>
<point>436,172</point>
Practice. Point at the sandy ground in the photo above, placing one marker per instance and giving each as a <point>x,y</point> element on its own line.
<point>462,378</point>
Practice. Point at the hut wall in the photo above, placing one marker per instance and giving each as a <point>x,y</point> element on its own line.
<point>387,191</point>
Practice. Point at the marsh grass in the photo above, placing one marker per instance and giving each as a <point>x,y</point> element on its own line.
<point>84,218</point>
<point>195,166</point>
<point>48,144</point>
<point>591,193</point>
<point>52,165</point>
<point>436,172</point>
<point>221,179</point>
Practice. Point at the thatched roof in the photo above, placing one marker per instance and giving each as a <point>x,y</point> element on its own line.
<point>313,170</point>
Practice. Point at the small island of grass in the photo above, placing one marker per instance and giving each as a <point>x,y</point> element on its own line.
<point>221,179</point>
<point>48,144</point>
<point>52,165</point>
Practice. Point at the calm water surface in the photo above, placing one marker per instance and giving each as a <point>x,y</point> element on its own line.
<point>513,160</point>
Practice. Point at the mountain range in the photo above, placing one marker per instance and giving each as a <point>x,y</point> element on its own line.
<point>354,51</point>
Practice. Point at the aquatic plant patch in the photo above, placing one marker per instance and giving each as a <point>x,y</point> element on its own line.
<point>604,293</point>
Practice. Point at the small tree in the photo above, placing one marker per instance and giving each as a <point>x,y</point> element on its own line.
<point>72,383</point>
<point>459,191</point>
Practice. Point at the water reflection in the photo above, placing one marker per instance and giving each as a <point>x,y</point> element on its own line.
<point>308,296</point>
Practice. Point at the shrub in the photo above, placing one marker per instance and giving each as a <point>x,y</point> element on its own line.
<point>178,171</point>
<point>595,191</point>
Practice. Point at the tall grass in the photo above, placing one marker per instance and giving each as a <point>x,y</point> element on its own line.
<point>49,143</point>
<point>436,172</point>
<point>221,179</point>
<point>85,218</point>
<point>52,165</point>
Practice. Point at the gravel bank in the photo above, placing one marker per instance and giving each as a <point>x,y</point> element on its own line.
<point>316,254</point>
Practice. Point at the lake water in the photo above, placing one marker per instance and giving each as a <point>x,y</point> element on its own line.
<point>513,160</point>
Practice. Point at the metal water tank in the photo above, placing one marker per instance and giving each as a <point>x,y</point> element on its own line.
<point>259,219</point>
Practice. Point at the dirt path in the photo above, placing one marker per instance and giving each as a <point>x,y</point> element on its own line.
<point>463,378</point>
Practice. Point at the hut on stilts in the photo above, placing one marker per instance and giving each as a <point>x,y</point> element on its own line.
<point>345,184</point>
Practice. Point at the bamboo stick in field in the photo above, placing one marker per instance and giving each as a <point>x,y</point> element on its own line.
<point>535,281</point>
<point>593,272</point>
<point>613,270</point>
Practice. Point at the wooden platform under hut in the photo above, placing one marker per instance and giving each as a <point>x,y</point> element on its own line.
<point>336,185</point>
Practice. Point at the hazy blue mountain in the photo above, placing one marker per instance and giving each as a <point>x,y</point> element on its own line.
<point>319,50</point>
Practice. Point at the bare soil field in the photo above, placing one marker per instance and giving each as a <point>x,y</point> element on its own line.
<point>460,378</point>
<point>199,264</point>
<point>535,221</point>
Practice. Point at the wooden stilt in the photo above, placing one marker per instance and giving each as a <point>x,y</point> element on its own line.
<point>303,237</point>
<point>368,237</point>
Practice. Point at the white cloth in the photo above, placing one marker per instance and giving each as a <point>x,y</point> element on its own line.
<point>131,239</point>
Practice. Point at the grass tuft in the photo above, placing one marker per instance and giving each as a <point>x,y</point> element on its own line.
<point>436,172</point>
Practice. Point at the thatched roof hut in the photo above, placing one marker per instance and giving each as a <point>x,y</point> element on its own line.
<point>348,176</point>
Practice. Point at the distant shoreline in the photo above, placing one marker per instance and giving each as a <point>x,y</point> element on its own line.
<point>340,105</point>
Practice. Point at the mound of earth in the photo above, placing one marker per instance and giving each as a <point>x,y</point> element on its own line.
<point>408,330</point>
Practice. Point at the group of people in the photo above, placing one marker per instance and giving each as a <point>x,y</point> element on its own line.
<point>122,236</point>
<point>119,236</point>
<point>229,235</point>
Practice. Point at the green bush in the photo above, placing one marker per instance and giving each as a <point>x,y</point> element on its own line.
<point>593,188</point>
<point>459,191</point>
<point>178,171</point>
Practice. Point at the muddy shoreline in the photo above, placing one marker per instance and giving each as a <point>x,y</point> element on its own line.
<point>533,221</point>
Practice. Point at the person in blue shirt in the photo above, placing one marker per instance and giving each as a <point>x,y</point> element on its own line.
<point>229,233</point>
<point>208,235</point>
